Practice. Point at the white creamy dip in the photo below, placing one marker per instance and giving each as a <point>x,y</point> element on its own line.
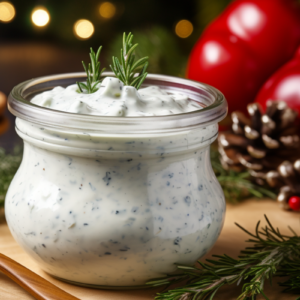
<point>115,99</point>
<point>104,207</point>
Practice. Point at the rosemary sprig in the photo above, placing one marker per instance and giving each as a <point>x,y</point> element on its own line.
<point>93,74</point>
<point>267,257</point>
<point>237,186</point>
<point>127,68</point>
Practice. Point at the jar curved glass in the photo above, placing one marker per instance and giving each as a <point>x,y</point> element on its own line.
<point>213,102</point>
<point>115,201</point>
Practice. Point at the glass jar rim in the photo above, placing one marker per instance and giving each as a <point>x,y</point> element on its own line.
<point>213,102</point>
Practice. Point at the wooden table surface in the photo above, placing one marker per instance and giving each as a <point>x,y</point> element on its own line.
<point>230,242</point>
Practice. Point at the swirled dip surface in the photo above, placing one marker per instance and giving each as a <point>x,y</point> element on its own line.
<point>115,99</point>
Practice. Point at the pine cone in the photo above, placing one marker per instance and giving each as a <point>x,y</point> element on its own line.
<point>4,124</point>
<point>288,177</point>
<point>262,142</point>
<point>2,104</point>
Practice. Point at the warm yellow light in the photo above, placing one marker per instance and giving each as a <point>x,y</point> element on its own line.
<point>7,12</point>
<point>83,29</point>
<point>40,16</point>
<point>107,10</point>
<point>184,28</point>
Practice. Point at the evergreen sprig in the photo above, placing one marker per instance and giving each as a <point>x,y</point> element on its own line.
<point>292,270</point>
<point>9,164</point>
<point>237,185</point>
<point>127,68</point>
<point>271,254</point>
<point>93,74</point>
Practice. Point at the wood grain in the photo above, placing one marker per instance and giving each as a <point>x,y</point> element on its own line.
<point>231,241</point>
<point>37,286</point>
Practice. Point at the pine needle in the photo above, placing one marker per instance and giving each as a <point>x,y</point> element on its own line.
<point>237,186</point>
<point>9,164</point>
<point>271,254</point>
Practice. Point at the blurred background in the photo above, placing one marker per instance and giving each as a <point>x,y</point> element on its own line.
<point>241,50</point>
<point>42,37</point>
<point>50,36</point>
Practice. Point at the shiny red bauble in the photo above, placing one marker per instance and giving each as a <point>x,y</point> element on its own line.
<point>294,203</point>
<point>239,51</point>
<point>227,64</point>
<point>256,23</point>
<point>283,85</point>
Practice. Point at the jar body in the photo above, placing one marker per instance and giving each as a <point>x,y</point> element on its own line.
<point>118,216</point>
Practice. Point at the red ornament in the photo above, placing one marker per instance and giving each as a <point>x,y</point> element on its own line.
<point>294,203</point>
<point>283,85</point>
<point>228,65</point>
<point>244,46</point>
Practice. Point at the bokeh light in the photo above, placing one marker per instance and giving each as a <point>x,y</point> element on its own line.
<point>7,12</point>
<point>40,16</point>
<point>83,29</point>
<point>107,10</point>
<point>184,28</point>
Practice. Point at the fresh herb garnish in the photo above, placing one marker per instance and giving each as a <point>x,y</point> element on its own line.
<point>93,74</point>
<point>126,70</point>
<point>271,254</point>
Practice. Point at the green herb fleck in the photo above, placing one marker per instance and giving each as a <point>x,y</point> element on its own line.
<point>93,74</point>
<point>126,70</point>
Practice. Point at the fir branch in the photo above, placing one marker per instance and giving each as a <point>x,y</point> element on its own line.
<point>9,164</point>
<point>270,252</point>
<point>237,186</point>
<point>127,68</point>
<point>292,270</point>
<point>93,74</point>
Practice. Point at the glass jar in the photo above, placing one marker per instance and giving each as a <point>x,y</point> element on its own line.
<point>115,201</point>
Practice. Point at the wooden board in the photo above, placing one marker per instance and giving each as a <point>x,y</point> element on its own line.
<point>230,242</point>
